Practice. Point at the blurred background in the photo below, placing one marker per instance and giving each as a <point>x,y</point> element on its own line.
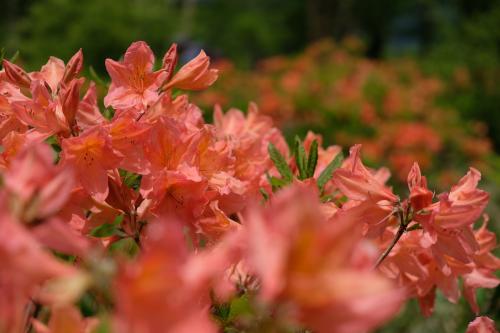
<point>410,79</point>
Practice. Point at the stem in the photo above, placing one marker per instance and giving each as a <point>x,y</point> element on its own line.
<point>140,116</point>
<point>32,311</point>
<point>401,231</point>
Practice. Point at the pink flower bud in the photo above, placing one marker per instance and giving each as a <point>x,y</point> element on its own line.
<point>170,60</point>
<point>74,67</point>
<point>70,100</point>
<point>16,74</point>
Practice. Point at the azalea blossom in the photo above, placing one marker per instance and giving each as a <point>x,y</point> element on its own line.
<point>481,325</point>
<point>152,293</point>
<point>195,75</point>
<point>91,155</point>
<point>312,263</point>
<point>134,84</point>
<point>150,219</point>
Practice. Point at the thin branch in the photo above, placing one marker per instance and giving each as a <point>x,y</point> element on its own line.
<point>401,231</point>
<point>32,311</point>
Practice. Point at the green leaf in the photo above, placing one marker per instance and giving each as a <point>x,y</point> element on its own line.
<point>118,220</point>
<point>327,174</point>
<point>126,246</point>
<point>132,180</point>
<point>108,113</point>
<point>221,311</point>
<point>95,77</point>
<point>108,229</point>
<point>14,57</point>
<point>326,198</point>
<point>300,158</point>
<point>277,183</point>
<point>104,230</point>
<point>264,193</point>
<point>280,163</point>
<point>312,160</point>
<point>240,306</point>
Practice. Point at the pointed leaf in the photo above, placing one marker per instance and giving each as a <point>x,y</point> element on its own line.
<point>280,163</point>
<point>14,57</point>
<point>264,193</point>
<point>277,183</point>
<point>300,158</point>
<point>312,160</point>
<point>327,174</point>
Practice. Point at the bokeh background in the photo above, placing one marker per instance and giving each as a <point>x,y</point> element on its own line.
<point>410,79</point>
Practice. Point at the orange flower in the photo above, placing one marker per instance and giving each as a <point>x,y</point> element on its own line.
<point>152,293</point>
<point>482,325</point>
<point>319,268</point>
<point>134,84</point>
<point>91,155</point>
<point>195,75</point>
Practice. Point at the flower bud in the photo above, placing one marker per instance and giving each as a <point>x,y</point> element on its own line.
<point>16,74</point>
<point>195,75</point>
<point>169,61</point>
<point>420,198</point>
<point>70,100</point>
<point>74,67</point>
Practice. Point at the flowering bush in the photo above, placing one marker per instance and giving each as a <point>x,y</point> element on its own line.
<point>391,107</point>
<point>144,218</point>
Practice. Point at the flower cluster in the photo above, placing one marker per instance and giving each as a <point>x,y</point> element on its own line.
<point>145,218</point>
<point>391,107</point>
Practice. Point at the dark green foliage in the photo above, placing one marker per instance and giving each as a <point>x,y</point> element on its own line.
<point>312,160</point>
<point>280,163</point>
<point>300,158</point>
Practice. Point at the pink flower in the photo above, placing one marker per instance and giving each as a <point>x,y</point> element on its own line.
<point>66,319</point>
<point>195,75</point>
<point>248,138</point>
<point>319,267</point>
<point>153,294</point>
<point>88,113</point>
<point>91,155</point>
<point>14,142</point>
<point>482,276</point>
<point>51,73</point>
<point>39,188</point>
<point>464,204</point>
<point>358,183</point>
<point>8,120</point>
<point>448,223</point>
<point>134,84</point>
<point>371,201</point>
<point>16,75</point>
<point>482,325</point>
<point>25,266</point>
<point>447,248</point>
<point>181,194</point>
<point>127,138</point>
